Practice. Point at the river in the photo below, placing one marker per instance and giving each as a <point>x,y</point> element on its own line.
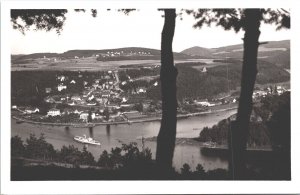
<point>114,135</point>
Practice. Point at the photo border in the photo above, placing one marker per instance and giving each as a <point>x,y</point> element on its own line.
<point>149,187</point>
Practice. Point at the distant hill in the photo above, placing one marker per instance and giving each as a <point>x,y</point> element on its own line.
<point>198,51</point>
<point>277,52</point>
<point>127,53</point>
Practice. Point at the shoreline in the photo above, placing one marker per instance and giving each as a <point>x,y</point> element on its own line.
<point>207,148</point>
<point>151,119</point>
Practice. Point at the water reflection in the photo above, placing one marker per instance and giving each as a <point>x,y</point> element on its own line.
<point>91,132</point>
<point>67,130</point>
<point>108,131</point>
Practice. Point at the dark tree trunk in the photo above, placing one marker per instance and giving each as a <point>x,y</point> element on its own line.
<point>168,73</point>
<point>238,133</point>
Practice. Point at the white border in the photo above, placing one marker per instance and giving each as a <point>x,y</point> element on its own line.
<point>149,187</point>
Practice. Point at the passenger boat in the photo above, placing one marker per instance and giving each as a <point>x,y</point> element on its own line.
<point>86,140</point>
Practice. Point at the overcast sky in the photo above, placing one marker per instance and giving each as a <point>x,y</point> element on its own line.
<point>112,29</point>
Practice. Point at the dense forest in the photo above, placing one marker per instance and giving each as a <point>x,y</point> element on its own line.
<point>196,84</point>
<point>264,128</point>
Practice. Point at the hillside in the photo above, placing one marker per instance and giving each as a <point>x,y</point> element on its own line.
<point>128,53</point>
<point>191,82</point>
<point>198,51</point>
<point>277,52</point>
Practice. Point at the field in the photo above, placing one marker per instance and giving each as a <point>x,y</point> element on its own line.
<point>91,64</point>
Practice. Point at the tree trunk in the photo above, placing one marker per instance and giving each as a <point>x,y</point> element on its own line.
<point>168,73</point>
<point>238,133</point>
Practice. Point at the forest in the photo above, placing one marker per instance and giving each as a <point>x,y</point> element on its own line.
<point>264,129</point>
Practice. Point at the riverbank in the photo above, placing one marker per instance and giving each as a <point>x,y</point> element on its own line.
<point>205,147</point>
<point>142,120</point>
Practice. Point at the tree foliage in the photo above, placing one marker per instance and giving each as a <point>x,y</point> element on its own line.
<point>39,19</point>
<point>234,19</point>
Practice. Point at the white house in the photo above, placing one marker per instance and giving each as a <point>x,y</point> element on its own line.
<point>76,98</point>
<point>31,110</point>
<point>61,78</point>
<point>84,116</point>
<point>141,90</point>
<point>91,97</point>
<point>53,112</point>
<point>77,112</point>
<point>61,87</point>
<point>124,100</point>
<point>204,69</point>
<point>205,103</point>
<point>73,82</point>
<point>72,103</point>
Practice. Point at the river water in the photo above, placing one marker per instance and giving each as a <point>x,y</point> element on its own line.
<point>115,135</point>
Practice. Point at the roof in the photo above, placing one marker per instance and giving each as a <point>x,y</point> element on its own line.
<point>54,109</point>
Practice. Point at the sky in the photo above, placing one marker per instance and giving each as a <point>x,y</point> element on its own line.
<point>112,29</point>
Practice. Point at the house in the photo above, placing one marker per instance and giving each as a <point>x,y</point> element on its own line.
<point>48,90</point>
<point>61,87</point>
<point>204,70</point>
<point>91,97</point>
<point>31,110</point>
<point>76,98</point>
<point>93,115</point>
<point>95,85</point>
<point>105,94</point>
<point>77,112</point>
<point>155,84</point>
<point>97,81</point>
<point>50,99</point>
<point>124,100</point>
<point>72,103</point>
<point>133,115</point>
<point>61,78</point>
<point>73,82</point>
<point>204,103</point>
<point>141,90</point>
<point>53,112</point>
<point>84,116</point>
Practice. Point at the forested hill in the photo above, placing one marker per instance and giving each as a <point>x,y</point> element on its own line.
<point>192,82</point>
<point>277,52</point>
<point>269,126</point>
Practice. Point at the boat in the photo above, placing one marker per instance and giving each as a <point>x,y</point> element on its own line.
<point>86,140</point>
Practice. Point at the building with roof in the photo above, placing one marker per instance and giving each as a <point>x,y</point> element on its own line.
<point>54,112</point>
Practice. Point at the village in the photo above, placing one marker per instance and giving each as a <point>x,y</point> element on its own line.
<point>109,97</point>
